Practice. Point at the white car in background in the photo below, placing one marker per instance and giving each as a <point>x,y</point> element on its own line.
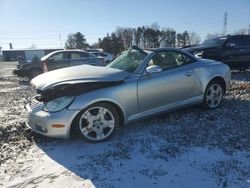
<point>107,56</point>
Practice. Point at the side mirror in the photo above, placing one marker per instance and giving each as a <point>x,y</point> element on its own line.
<point>153,69</point>
<point>230,45</point>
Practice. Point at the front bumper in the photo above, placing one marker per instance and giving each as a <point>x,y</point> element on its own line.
<point>41,122</point>
<point>21,73</point>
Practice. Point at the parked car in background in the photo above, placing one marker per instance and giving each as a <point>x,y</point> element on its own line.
<point>95,50</point>
<point>232,50</point>
<point>107,56</point>
<point>56,60</point>
<point>94,101</point>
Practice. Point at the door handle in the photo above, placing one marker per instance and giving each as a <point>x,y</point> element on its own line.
<point>188,73</point>
<point>242,50</point>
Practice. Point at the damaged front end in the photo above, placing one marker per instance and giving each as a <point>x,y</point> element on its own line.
<point>56,87</point>
<point>71,90</point>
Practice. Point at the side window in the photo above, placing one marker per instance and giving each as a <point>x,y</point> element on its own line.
<point>85,55</point>
<point>246,40</point>
<point>58,57</point>
<point>75,56</point>
<point>235,41</point>
<point>170,59</point>
<point>187,59</point>
<point>103,55</point>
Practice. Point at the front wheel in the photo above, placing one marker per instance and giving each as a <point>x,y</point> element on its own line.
<point>97,123</point>
<point>213,95</point>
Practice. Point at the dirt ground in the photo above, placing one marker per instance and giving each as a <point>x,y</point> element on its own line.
<point>191,147</point>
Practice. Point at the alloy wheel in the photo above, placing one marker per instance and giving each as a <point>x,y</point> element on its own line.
<point>97,123</point>
<point>214,95</point>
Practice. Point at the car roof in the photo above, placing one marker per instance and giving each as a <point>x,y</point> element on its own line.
<point>168,49</point>
<point>58,51</point>
<point>99,52</point>
<point>73,50</point>
<point>228,36</point>
<point>163,49</point>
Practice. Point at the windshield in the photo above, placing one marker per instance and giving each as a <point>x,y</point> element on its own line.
<point>213,42</point>
<point>129,60</point>
<point>45,57</point>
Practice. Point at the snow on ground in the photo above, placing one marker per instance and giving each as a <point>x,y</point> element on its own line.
<point>192,147</point>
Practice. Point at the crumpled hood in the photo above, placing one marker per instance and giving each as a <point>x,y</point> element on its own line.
<point>78,74</point>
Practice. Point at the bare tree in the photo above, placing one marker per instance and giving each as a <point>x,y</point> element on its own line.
<point>212,36</point>
<point>242,31</point>
<point>168,37</point>
<point>194,38</point>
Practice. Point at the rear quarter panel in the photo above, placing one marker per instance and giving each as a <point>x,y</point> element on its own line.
<point>208,70</point>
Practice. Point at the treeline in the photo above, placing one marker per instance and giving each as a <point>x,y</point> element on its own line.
<point>144,37</point>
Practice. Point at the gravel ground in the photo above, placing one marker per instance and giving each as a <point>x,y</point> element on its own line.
<point>166,137</point>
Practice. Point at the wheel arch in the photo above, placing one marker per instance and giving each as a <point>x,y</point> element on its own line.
<point>115,105</point>
<point>220,80</point>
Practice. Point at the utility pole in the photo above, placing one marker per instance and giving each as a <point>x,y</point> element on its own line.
<point>225,24</point>
<point>60,39</point>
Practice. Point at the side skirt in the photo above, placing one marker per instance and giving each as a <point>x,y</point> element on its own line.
<point>188,102</point>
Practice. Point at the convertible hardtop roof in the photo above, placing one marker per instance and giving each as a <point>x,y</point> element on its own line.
<point>163,49</point>
<point>157,49</point>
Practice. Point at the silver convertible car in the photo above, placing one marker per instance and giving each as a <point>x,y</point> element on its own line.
<point>94,101</point>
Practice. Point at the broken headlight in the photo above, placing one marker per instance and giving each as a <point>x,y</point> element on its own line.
<point>58,104</point>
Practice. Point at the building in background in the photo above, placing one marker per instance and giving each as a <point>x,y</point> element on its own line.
<point>26,54</point>
<point>1,54</point>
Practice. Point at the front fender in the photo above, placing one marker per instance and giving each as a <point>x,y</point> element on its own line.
<point>123,95</point>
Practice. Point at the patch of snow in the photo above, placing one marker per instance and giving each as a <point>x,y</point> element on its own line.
<point>185,148</point>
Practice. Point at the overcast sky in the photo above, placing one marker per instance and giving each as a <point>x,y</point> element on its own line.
<point>27,22</point>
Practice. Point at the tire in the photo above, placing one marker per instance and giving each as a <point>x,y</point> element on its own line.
<point>97,123</point>
<point>34,73</point>
<point>213,95</point>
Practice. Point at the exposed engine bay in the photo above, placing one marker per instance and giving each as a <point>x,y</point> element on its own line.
<point>71,90</point>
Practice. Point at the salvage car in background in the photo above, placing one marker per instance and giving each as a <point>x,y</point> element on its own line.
<point>232,50</point>
<point>139,83</point>
<point>107,56</point>
<point>56,60</point>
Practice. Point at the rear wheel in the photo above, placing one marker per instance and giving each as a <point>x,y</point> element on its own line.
<point>213,95</point>
<point>97,123</point>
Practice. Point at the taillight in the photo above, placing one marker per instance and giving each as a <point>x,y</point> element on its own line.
<point>45,67</point>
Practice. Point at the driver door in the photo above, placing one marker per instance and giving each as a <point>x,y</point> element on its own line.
<point>59,60</point>
<point>172,85</point>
